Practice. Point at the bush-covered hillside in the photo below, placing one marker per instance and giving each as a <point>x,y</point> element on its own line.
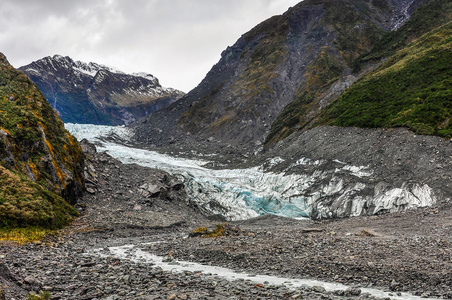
<point>413,88</point>
<point>40,161</point>
<point>24,203</point>
<point>431,15</point>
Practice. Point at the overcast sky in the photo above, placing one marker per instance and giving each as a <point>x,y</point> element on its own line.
<point>178,41</point>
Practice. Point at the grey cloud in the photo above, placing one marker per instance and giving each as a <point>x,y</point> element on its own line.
<point>176,40</point>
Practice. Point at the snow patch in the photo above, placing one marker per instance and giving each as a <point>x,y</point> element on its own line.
<point>356,171</point>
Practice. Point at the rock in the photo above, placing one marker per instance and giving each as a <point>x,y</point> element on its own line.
<point>339,292</point>
<point>88,264</point>
<point>90,190</point>
<point>168,259</point>
<point>367,232</point>
<point>318,289</point>
<point>33,283</point>
<point>87,147</point>
<point>351,291</point>
<point>149,190</point>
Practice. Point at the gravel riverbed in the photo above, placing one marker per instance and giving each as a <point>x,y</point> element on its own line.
<point>403,252</point>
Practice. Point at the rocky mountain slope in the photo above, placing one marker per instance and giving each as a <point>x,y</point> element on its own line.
<point>90,93</point>
<point>305,56</point>
<point>411,88</point>
<point>40,162</point>
<point>404,99</point>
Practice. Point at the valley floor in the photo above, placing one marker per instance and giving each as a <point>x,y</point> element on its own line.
<point>409,251</point>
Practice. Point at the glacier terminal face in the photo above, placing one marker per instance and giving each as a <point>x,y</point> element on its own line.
<point>305,188</point>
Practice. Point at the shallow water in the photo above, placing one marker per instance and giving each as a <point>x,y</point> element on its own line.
<point>138,255</point>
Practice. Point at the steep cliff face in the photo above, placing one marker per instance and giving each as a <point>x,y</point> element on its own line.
<point>303,56</point>
<point>90,93</point>
<point>33,141</point>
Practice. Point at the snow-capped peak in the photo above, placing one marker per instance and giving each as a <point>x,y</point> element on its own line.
<point>92,68</point>
<point>58,57</point>
<point>60,64</point>
<point>145,75</point>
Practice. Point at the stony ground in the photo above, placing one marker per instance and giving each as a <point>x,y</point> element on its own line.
<point>128,204</point>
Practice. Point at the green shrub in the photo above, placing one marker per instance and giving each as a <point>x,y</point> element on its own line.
<point>43,295</point>
<point>413,88</point>
<point>26,204</point>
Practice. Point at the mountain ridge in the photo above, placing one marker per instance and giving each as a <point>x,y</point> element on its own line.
<point>97,94</point>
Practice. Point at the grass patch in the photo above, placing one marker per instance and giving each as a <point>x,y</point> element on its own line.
<point>24,235</point>
<point>220,230</point>
<point>204,232</point>
<point>43,295</point>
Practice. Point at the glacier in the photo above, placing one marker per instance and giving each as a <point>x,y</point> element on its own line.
<point>329,189</point>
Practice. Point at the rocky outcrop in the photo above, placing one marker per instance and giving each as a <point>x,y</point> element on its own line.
<point>33,141</point>
<point>90,93</point>
<point>160,185</point>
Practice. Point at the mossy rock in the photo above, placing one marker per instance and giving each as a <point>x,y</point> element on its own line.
<point>220,230</point>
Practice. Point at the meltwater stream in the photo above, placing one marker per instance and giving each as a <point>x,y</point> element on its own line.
<point>137,254</point>
<point>233,193</point>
